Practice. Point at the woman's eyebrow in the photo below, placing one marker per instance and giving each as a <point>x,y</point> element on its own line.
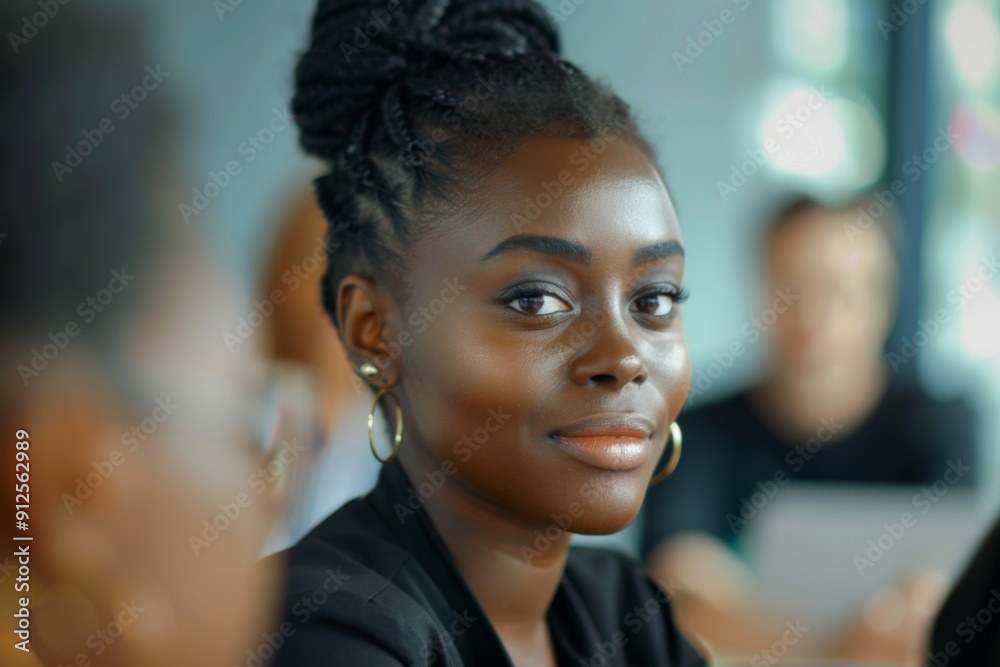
<point>657,251</point>
<point>549,245</point>
<point>573,251</point>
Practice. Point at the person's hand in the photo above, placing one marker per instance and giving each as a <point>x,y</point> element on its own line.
<point>893,625</point>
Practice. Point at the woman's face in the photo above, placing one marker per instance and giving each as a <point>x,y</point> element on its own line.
<point>549,310</point>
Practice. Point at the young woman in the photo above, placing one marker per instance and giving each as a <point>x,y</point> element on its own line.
<point>505,269</point>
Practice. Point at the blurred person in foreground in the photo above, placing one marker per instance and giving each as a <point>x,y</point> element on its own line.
<point>832,287</point>
<point>118,401</point>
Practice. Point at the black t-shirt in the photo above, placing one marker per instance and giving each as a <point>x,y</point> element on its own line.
<point>967,629</point>
<point>730,454</point>
<point>374,584</point>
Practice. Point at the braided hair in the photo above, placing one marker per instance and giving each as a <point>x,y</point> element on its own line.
<point>409,101</point>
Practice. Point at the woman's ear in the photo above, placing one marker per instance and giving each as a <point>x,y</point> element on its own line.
<point>365,312</point>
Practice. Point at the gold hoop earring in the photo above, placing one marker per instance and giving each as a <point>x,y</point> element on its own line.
<point>398,438</point>
<point>675,455</point>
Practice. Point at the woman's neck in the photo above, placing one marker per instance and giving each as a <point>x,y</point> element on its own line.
<point>514,589</point>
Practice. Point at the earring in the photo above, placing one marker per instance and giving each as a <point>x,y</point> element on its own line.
<point>399,425</point>
<point>675,455</point>
<point>368,369</point>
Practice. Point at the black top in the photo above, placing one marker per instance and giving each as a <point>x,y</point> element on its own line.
<point>375,586</point>
<point>967,629</point>
<point>730,454</point>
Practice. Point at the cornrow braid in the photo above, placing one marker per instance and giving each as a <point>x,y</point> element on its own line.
<point>409,101</point>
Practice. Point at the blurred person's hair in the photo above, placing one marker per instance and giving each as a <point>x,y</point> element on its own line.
<point>65,232</point>
<point>298,234</point>
<point>859,215</point>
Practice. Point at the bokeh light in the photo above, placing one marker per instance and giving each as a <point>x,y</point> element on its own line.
<point>824,138</point>
<point>811,35</point>
<point>977,125</point>
<point>974,41</point>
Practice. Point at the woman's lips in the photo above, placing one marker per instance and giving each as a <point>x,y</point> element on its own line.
<point>607,450</point>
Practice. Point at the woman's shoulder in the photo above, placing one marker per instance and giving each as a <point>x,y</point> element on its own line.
<point>352,538</point>
<point>347,585</point>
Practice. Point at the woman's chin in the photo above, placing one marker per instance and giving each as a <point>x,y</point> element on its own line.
<point>606,524</point>
<point>603,516</point>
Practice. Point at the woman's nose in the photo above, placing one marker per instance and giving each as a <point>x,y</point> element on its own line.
<point>608,355</point>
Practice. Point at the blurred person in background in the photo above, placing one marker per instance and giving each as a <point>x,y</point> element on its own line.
<point>128,418</point>
<point>833,293</point>
<point>299,332</point>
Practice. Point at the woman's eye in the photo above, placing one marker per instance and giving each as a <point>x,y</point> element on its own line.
<point>536,302</point>
<point>659,304</point>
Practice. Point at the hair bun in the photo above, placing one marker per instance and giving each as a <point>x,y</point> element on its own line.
<point>361,49</point>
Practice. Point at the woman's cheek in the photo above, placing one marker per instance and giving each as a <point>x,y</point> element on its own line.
<point>470,385</point>
<point>674,369</point>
